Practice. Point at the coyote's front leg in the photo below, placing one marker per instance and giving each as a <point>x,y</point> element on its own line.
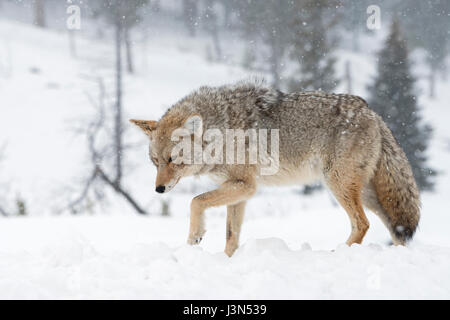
<point>230,193</point>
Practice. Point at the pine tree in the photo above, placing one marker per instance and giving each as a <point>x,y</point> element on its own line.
<point>393,98</point>
<point>210,24</point>
<point>428,26</point>
<point>190,15</point>
<point>312,47</point>
<point>354,17</point>
<point>265,20</point>
<point>310,24</point>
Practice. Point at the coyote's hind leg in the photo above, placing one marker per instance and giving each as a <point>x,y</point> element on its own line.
<point>347,190</point>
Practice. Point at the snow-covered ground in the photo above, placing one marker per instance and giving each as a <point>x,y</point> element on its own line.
<point>141,258</point>
<point>291,245</point>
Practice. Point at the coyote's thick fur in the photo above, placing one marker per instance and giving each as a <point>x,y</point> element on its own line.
<point>335,138</point>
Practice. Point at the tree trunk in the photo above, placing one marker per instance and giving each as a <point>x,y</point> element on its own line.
<point>227,15</point>
<point>355,39</point>
<point>274,63</point>
<point>3,212</point>
<point>129,53</point>
<point>432,82</point>
<point>156,5</point>
<point>118,106</point>
<point>348,77</point>
<point>121,191</point>
<point>145,49</point>
<point>39,13</point>
<point>444,71</point>
<point>216,41</point>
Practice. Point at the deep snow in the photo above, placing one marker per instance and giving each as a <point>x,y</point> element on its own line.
<point>287,239</point>
<point>138,258</point>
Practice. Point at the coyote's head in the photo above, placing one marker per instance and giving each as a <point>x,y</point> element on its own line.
<point>164,137</point>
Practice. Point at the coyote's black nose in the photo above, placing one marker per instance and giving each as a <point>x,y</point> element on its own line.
<point>160,189</point>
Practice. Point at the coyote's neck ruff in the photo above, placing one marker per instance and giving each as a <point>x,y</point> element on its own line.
<point>332,137</point>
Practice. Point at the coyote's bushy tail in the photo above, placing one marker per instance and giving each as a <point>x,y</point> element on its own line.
<point>396,189</point>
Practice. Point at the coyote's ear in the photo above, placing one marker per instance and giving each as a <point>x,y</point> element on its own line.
<point>194,124</point>
<point>148,126</point>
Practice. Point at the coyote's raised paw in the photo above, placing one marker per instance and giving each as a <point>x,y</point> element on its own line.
<point>195,237</point>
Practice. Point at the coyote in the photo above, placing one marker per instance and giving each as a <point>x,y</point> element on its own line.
<point>334,138</point>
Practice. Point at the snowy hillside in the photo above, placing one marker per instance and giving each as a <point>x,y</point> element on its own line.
<point>291,246</point>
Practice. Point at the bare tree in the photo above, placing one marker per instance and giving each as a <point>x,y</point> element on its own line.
<point>190,15</point>
<point>3,211</point>
<point>128,50</point>
<point>210,22</point>
<point>104,172</point>
<point>266,21</point>
<point>39,13</point>
<point>123,14</point>
<point>118,122</point>
<point>101,174</point>
<point>348,77</point>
